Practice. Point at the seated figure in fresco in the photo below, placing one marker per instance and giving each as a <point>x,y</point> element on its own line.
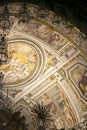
<point>46,99</point>
<point>69,116</point>
<point>55,40</point>
<point>83,84</point>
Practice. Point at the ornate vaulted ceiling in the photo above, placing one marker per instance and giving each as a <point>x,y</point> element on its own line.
<point>49,63</point>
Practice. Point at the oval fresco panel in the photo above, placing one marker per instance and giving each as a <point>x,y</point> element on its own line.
<point>22,63</point>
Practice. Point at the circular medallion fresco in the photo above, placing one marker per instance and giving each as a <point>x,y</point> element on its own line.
<point>22,64</point>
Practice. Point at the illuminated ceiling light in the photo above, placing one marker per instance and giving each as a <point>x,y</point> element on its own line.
<point>23,14</point>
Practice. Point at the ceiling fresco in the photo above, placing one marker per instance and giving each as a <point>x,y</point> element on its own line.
<point>22,63</point>
<point>57,101</point>
<point>48,63</point>
<point>78,75</point>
